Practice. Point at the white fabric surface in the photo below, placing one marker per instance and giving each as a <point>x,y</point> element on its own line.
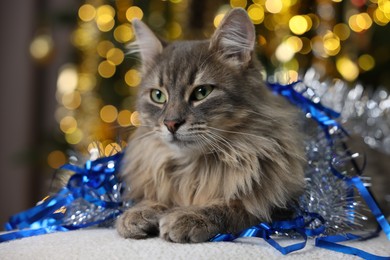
<point>106,244</point>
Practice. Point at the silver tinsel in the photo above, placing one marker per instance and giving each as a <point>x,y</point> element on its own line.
<point>363,112</point>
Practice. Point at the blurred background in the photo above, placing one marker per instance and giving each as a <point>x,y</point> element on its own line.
<point>67,85</point>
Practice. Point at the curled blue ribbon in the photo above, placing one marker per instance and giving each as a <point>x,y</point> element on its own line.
<point>266,230</point>
<point>96,183</point>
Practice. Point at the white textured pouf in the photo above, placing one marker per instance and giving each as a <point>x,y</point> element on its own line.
<point>106,244</point>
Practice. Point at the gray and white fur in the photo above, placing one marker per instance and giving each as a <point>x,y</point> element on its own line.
<point>216,151</point>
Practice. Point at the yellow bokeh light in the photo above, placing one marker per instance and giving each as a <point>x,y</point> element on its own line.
<point>218,19</point>
<point>380,18</point>
<point>274,6</point>
<point>74,137</point>
<point>174,30</point>
<point>111,149</point>
<point>105,22</point>
<point>87,12</point>
<point>106,69</point>
<point>295,42</point>
<point>67,79</point>
<point>68,124</point>
<point>366,62</point>
<point>256,13</point>
<point>347,68</point>
<point>103,47</point>
<point>364,21</point>
<point>108,113</point>
<point>384,6</point>
<point>71,100</point>
<point>41,47</point>
<point>132,78</point>
<point>331,44</point>
<point>135,120</point>
<point>342,31</point>
<point>360,22</point>
<point>299,24</point>
<point>124,118</point>
<point>105,18</point>
<point>105,10</point>
<point>238,3</point>
<point>115,56</point>
<point>56,159</point>
<point>134,12</point>
<point>123,33</point>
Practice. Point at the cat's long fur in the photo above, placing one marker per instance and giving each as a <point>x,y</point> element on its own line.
<point>237,154</point>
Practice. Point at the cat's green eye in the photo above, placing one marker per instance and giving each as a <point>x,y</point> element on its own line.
<point>201,92</point>
<point>158,96</point>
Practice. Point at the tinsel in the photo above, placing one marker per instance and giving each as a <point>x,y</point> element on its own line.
<point>363,111</point>
<point>328,210</point>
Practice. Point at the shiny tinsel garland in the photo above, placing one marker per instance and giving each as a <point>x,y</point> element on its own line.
<point>328,208</point>
<point>362,111</point>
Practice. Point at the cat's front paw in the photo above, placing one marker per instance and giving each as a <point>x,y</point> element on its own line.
<point>138,223</point>
<point>186,227</point>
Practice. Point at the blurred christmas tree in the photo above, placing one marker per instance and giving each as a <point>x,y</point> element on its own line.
<point>96,90</point>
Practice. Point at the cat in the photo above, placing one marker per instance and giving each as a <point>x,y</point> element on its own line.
<point>216,151</point>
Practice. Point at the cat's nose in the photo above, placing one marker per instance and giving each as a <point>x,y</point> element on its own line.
<point>173,125</point>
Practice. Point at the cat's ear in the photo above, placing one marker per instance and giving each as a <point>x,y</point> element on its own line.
<point>146,43</point>
<point>234,39</point>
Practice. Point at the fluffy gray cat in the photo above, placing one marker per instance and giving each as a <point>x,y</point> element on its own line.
<point>217,151</point>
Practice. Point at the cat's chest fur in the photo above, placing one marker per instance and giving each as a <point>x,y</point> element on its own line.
<point>182,179</point>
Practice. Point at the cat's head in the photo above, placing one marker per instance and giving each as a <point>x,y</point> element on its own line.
<point>195,93</point>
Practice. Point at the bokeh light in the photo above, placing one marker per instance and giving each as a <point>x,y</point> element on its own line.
<point>299,24</point>
<point>115,56</point>
<point>67,79</point>
<point>108,113</point>
<point>41,47</point>
<point>347,68</point>
<point>135,120</point>
<point>256,13</point>
<point>106,69</point>
<point>124,118</point>
<point>360,22</point>
<point>238,3</point>
<point>134,12</point>
<point>366,62</point>
<point>87,12</point>
<point>132,78</point>
<point>274,6</point>
<point>68,124</point>
<point>217,19</point>
<point>56,159</point>
<point>123,33</point>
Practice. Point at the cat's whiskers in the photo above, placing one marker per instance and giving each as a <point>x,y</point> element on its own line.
<point>222,139</point>
<point>138,138</point>
<point>268,140</point>
<point>237,149</point>
<point>201,145</point>
<point>263,115</point>
<point>213,142</point>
